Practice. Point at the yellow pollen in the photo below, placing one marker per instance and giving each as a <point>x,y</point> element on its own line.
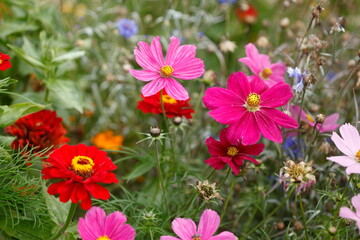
<point>105,237</point>
<point>196,238</point>
<point>82,166</point>
<point>253,102</point>
<point>309,118</point>
<point>266,73</point>
<point>167,99</point>
<point>166,71</point>
<point>357,156</point>
<point>232,151</point>
<point>1,61</point>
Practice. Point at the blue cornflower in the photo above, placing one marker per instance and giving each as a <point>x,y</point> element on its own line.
<point>127,27</point>
<point>227,1</point>
<point>294,72</point>
<point>294,147</point>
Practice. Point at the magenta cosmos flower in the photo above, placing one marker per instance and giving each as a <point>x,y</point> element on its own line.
<point>97,226</point>
<point>330,123</point>
<point>261,66</point>
<point>249,108</point>
<point>349,144</point>
<point>223,152</point>
<point>180,63</point>
<point>346,212</point>
<point>209,222</point>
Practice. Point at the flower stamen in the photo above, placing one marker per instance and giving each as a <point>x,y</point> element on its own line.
<point>105,237</point>
<point>232,151</point>
<point>196,237</point>
<point>82,166</point>
<point>166,71</point>
<point>357,156</point>
<point>167,99</point>
<point>1,61</point>
<point>266,73</point>
<point>253,102</point>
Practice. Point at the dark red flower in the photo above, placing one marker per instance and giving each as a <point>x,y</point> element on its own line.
<point>246,13</point>
<point>4,62</point>
<point>234,155</point>
<point>172,107</point>
<point>38,130</point>
<point>80,167</point>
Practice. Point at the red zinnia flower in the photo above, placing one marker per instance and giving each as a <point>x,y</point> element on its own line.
<point>38,130</point>
<point>172,106</point>
<point>4,62</point>
<point>223,152</point>
<point>247,13</point>
<point>81,167</point>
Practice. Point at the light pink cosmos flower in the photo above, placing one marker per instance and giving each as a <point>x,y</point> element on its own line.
<point>346,212</point>
<point>330,123</point>
<point>209,222</point>
<point>180,63</point>
<point>97,225</point>
<point>349,144</point>
<point>261,66</point>
<point>249,108</point>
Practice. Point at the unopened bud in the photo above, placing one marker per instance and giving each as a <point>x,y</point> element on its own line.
<point>332,230</point>
<point>155,131</point>
<point>284,23</point>
<point>320,118</point>
<point>177,120</point>
<point>298,226</point>
<point>280,226</point>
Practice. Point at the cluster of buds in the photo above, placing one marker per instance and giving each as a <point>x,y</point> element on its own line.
<point>312,43</point>
<point>208,191</point>
<point>297,173</point>
<point>316,11</point>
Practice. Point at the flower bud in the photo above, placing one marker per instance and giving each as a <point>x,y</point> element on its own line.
<point>280,226</point>
<point>177,120</point>
<point>298,226</point>
<point>155,131</point>
<point>320,118</point>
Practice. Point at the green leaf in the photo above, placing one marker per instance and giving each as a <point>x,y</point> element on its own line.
<point>6,82</point>
<point>27,58</point>
<point>58,211</point>
<point>6,140</point>
<point>140,169</point>
<point>67,93</point>
<point>9,28</point>
<point>69,56</point>
<point>9,114</point>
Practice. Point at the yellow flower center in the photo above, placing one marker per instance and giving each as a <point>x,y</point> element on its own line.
<point>357,156</point>
<point>105,237</point>
<point>166,71</point>
<point>232,151</point>
<point>196,237</point>
<point>266,73</point>
<point>253,102</point>
<point>310,118</point>
<point>82,166</point>
<point>1,61</point>
<point>167,99</point>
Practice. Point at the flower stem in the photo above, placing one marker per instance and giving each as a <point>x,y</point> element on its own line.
<point>268,216</point>
<point>161,176</point>
<point>228,197</point>
<point>226,177</point>
<point>336,215</point>
<point>303,216</point>
<point>67,222</point>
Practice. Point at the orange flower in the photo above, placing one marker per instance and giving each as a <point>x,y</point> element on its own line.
<point>107,140</point>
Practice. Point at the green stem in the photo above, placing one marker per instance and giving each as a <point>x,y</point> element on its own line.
<point>228,198</point>
<point>336,215</point>
<point>226,177</point>
<point>67,222</point>
<point>268,216</point>
<point>303,217</point>
<point>160,176</point>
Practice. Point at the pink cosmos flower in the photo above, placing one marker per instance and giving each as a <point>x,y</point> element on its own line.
<point>349,144</point>
<point>180,63</point>
<point>261,66</point>
<point>98,226</point>
<point>249,108</point>
<point>209,222</point>
<point>223,152</point>
<point>329,124</point>
<point>345,212</point>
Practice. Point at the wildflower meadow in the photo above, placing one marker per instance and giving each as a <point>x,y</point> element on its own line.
<point>179,119</point>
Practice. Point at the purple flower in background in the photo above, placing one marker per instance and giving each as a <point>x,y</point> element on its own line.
<point>227,1</point>
<point>127,27</point>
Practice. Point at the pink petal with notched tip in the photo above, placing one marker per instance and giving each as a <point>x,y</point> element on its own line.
<point>355,201</point>
<point>92,226</point>
<point>252,59</point>
<point>268,127</point>
<point>144,75</point>
<point>189,69</point>
<point>156,51</point>
<point>276,96</point>
<point>209,223</point>
<point>280,118</point>
<point>344,161</point>
<point>176,90</point>
<point>239,85</point>
<point>341,144</point>
<point>184,228</point>
<point>329,123</point>
<point>355,168</point>
<point>172,50</point>
<point>245,131</point>
<point>144,57</point>
<point>351,137</point>
<point>345,212</point>
<point>184,52</point>
<point>153,87</point>
<point>216,97</point>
